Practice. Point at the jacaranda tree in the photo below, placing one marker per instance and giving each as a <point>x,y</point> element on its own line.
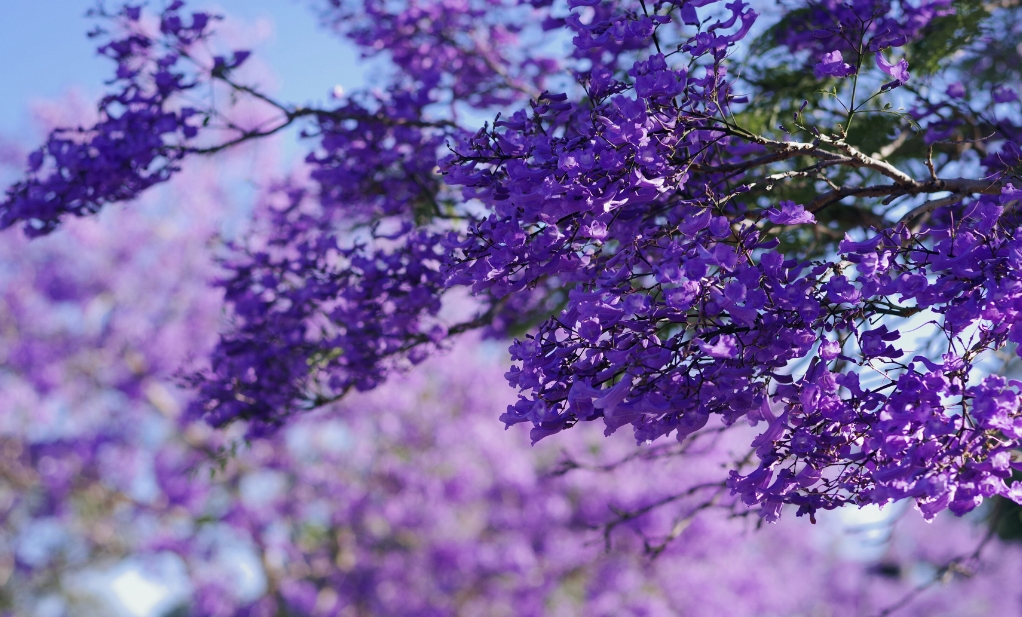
<point>803,220</point>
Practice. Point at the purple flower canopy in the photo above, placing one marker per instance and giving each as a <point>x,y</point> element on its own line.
<point>662,254</point>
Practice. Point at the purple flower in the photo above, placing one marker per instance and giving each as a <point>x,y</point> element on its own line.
<point>872,263</point>
<point>597,230</point>
<point>955,90</point>
<point>833,64</point>
<point>829,350</point>
<point>590,330</point>
<point>681,297</point>
<point>790,214</point>
<point>911,285</point>
<point>725,347</point>
<point>899,71</point>
<point>840,289</point>
<point>1004,94</point>
<point>803,442</point>
<point>669,272</point>
<point>874,343</point>
<point>734,291</point>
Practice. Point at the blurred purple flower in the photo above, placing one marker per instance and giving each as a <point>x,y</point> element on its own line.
<point>897,71</point>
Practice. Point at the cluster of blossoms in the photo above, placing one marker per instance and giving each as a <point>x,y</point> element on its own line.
<point>655,210</point>
<point>842,36</point>
<point>667,223</point>
<point>460,52</point>
<point>342,285</point>
<point>408,500</point>
<point>305,304</point>
<point>140,136</point>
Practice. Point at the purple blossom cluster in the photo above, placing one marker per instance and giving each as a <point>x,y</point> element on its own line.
<point>312,316</point>
<point>140,135</point>
<point>841,36</point>
<point>475,52</point>
<point>683,308</point>
<point>342,285</point>
<point>338,286</point>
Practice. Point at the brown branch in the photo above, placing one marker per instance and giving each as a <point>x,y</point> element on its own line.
<point>929,206</point>
<point>863,160</point>
<point>961,186</point>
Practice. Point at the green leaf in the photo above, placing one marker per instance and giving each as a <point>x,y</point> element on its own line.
<point>946,35</point>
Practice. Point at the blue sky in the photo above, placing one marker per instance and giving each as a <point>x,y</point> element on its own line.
<point>45,52</point>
